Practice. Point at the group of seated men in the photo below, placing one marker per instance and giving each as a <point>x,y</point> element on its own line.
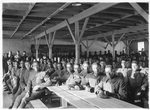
<point>27,80</point>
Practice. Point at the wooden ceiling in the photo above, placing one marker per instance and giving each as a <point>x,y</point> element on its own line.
<point>25,20</point>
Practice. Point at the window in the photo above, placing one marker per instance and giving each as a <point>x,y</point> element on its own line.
<point>140,46</point>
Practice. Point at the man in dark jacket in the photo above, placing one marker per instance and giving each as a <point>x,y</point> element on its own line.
<point>24,76</point>
<point>137,84</point>
<point>37,83</point>
<point>111,85</point>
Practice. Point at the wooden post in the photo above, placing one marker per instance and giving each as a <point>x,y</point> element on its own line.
<point>50,46</point>
<point>50,52</point>
<point>50,42</point>
<point>77,43</point>
<point>113,46</point>
<point>127,43</point>
<point>87,49</point>
<point>37,48</point>
<point>77,53</point>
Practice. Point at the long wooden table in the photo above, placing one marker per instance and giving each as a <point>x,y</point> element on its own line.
<point>84,99</point>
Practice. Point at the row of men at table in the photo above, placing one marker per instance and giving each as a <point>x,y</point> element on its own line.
<point>107,56</point>
<point>28,81</point>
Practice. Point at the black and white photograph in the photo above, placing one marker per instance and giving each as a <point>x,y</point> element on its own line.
<point>75,55</point>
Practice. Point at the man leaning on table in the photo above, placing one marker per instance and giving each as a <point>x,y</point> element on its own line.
<point>37,83</point>
<point>111,86</point>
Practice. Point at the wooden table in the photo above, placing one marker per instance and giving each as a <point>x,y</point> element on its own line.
<point>84,99</point>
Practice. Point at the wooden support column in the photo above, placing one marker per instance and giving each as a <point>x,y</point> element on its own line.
<point>77,43</point>
<point>50,46</point>
<point>77,37</point>
<point>36,44</point>
<point>127,43</point>
<point>113,46</point>
<point>50,42</point>
<point>87,49</point>
<point>87,46</point>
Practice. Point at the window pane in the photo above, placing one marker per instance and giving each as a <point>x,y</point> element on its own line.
<point>140,46</point>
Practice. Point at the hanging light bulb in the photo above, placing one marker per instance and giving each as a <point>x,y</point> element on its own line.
<point>76,4</point>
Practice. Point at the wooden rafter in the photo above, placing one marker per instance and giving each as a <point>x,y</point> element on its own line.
<point>49,17</point>
<point>24,17</point>
<point>46,37</point>
<point>92,42</point>
<point>142,12</point>
<point>106,45</point>
<point>119,39</point>
<point>83,28</point>
<point>77,32</point>
<point>84,45</point>
<point>105,38</point>
<point>69,27</point>
<point>114,20</point>
<point>94,9</point>
<point>125,30</point>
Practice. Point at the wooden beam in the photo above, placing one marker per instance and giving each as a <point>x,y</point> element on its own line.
<point>101,46</point>
<point>46,37</point>
<point>54,34</point>
<point>84,45</point>
<point>77,32</point>
<point>113,45</point>
<point>92,42</point>
<point>83,28</point>
<point>51,45</point>
<point>37,46</point>
<point>77,43</point>
<point>87,44</point>
<point>130,41</point>
<point>24,17</point>
<point>87,49</point>
<point>119,39</point>
<point>105,38</point>
<point>124,42</point>
<point>73,37</point>
<point>16,6</point>
<point>106,46</point>
<point>48,18</point>
<point>114,20</point>
<point>93,10</point>
<point>142,12</point>
<point>125,30</point>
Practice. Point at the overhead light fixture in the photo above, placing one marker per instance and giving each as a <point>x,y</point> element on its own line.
<point>76,4</point>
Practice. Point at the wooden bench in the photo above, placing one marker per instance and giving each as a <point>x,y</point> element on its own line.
<point>38,104</point>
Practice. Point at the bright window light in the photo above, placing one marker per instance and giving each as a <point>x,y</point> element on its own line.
<point>140,46</point>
